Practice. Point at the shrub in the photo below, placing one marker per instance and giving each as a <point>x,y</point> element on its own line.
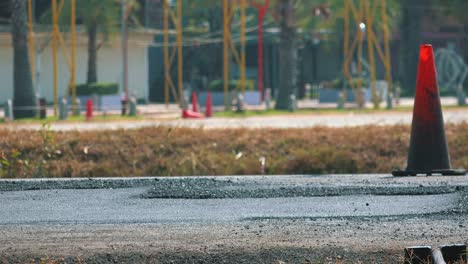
<point>338,83</point>
<point>218,85</point>
<point>97,88</point>
<point>162,151</point>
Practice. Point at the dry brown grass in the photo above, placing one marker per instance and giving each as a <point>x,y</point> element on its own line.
<point>182,151</point>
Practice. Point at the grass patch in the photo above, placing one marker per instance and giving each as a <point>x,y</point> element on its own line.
<point>81,118</point>
<point>165,151</point>
<point>315,111</point>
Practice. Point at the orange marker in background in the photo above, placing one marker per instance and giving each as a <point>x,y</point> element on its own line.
<point>208,110</point>
<point>89,109</point>
<point>194,102</point>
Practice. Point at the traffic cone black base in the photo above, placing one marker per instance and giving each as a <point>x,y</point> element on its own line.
<point>449,172</point>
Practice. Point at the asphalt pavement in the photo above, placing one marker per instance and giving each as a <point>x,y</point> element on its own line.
<point>117,206</point>
<point>295,218</point>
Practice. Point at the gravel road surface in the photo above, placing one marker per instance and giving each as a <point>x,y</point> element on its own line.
<point>137,221</point>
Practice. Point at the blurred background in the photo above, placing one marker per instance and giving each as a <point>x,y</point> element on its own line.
<point>274,53</point>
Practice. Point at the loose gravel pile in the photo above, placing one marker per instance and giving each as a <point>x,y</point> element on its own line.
<point>203,188</point>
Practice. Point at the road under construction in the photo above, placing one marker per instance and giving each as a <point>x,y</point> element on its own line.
<point>291,219</point>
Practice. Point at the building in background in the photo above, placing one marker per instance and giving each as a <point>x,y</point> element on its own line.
<point>109,63</point>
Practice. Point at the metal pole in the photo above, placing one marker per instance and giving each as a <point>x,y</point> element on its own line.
<point>260,53</point>
<point>346,48</point>
<point>242,39</point>
<point>124,50</point>
<point>179,53</point>
<point>32,54</point>
<point>388,65</point>
<point>73,53</point>
<point>54,53</point>
<point>167,67</point>
<point>262,9</point>
<point>360,46</point>
<point>226,51</point>
<point>370,49</point>
<point>360,98</point>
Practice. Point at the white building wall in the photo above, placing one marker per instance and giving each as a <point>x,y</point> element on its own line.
<point>109,65</point>
<point>6,74</point>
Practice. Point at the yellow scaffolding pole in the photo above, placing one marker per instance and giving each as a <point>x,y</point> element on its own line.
<point>73,53</point>
<point>169,56</point>
<point>365,13</point>
<point>377,48</point>
<point>242,46</point>
<point>229,46</point>
<point>167,66</point>
<point>54,52</point>
<point>226,38</point>
<point>32,49</point>
<point>360,46</point>
<point>68,60</point>
<point>57,39</point>
<point>349,51</point>
<point>180,71</point>
<point>346,48</point>
<point>388,65</point>
<point>370,49</point>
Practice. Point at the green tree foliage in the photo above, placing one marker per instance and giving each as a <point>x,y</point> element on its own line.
<point>411,26</point>
<point>206,15</point>
<point>457,9</point>
<point>293,16</point>
<point>300,16</point>
<point>24,101</point>
<point>204,19</point>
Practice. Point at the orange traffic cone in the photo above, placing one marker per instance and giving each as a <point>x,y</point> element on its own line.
<point>194,102</point>
<point>208,111</point>
<point>191,114</point>
<point>428,151</point>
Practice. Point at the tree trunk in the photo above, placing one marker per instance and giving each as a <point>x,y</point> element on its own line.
<point>287,55</point>
<point>92,53</point>
<point>411,39</point>
<point>24,98</point>
<point>216,25</point>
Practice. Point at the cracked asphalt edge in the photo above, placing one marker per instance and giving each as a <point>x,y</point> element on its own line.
<point>252,186</point>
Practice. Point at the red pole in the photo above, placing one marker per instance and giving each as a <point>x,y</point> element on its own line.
<point>89,109</point>
<point>194,102</point>
<point>262,10</point>
<point>208,110</point>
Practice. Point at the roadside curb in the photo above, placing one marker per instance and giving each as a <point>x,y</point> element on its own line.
<point>202,187</point>
<point>75,183</point>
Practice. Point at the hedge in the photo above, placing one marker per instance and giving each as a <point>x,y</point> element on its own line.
<point>97,89</point>
<point>338,83</point>
<point>218,85</point>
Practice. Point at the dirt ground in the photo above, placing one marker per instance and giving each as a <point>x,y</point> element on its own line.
<point>353,239</point>
<point>368,240</point>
